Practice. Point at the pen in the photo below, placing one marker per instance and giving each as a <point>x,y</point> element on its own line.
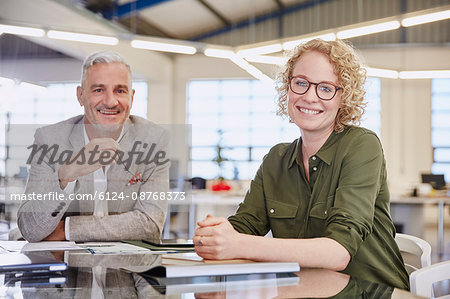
<point>91,250</point>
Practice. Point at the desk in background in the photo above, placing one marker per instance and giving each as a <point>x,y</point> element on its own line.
<point>416,203</point>
<point>201,203</point>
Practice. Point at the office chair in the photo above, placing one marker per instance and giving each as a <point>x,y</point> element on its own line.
<point>422,280</point>
<point>415,246</point>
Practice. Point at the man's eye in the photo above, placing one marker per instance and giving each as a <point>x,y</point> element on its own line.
<point>121,91</point>
<point>97,90</point>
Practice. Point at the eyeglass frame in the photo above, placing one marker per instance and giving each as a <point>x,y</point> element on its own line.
<point>312,83</point>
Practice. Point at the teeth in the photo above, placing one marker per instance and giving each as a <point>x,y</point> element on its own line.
<point>108,112</point>
<point>307,111</point>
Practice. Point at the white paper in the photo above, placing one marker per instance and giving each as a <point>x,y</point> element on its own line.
<point>113,248</point>
<point>25,246</point>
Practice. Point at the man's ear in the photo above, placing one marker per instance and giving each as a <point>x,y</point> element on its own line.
<point>132,97</point>
<point>79,95</point>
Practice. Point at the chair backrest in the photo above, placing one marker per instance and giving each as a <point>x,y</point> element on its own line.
<point>422,280</point>
<point>415,246</point>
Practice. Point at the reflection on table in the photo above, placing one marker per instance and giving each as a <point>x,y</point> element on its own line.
<point>104,276</point>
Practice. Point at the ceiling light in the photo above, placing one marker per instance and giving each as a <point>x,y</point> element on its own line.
<point>382,73</point>
<point>6,81</point>
<point>267,59</point>
<point>219,53</point>
<point>432,17</point>
<point>292,44</point>
<point>85,38</point>
<point>28,31</point>
<point>364,30</point>
<point>164,47</point>
<point>424,74</point>
<point>32,86</point>
<point>260,50</point>
<point>239,61</point>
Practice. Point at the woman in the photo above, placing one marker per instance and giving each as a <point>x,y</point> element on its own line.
<point>325,196</point>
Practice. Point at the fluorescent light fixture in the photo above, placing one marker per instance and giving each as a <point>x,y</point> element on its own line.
<point>424,74</point>
<point>294,43</point>
<point>32,86</point>
<point>163,47</point>
<point>260,50</point>
<point>84,38</point>
<point>267,59</point>
<point>219,53</point>
<point>239,61</point>
<point>6,81</point>
<point>427,18</point>
<point>365,30</point>
<point>28,31</point>
<point>382,73</point>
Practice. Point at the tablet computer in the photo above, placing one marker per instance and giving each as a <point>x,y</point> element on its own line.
<point>179,243</point>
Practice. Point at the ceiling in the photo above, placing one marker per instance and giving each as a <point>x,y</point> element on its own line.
<point>187,19</point>
<point>220,22</point>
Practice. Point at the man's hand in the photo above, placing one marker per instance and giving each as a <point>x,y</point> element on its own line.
<point>59,234</point>
<point>216,239</point>
<point>98,152</point>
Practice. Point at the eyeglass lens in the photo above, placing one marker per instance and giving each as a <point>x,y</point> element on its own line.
<point>324,91</point>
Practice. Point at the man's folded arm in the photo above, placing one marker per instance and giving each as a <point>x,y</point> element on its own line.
<point>38,216</point>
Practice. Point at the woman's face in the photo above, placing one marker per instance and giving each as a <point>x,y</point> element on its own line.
<point>308,111</point>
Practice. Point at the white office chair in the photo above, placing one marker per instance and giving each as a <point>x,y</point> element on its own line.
<point>416,247</point>
<point>422,280</point>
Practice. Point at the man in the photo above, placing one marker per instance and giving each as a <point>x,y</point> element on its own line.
<point>100,166</point>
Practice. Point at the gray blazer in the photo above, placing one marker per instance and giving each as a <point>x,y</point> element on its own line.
<point>129,217</point>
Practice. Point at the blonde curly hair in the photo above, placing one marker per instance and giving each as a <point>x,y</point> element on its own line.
<point>351,78</point>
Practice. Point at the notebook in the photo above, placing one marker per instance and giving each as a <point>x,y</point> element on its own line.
<point>190,264</point>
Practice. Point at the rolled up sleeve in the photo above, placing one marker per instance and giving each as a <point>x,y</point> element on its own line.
<point>351,218</point>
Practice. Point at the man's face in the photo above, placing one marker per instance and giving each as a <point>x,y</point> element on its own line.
<point>106,95</point>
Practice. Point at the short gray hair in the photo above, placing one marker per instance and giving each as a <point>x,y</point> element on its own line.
<point>101,57</point>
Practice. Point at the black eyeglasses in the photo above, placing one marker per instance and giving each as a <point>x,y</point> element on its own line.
<point>324,90</point>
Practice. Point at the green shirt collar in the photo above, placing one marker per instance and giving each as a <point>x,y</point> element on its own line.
<point>325,153</point>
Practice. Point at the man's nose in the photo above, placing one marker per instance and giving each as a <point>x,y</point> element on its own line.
<point>110,99</point>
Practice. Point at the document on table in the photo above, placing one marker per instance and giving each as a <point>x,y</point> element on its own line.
<point>112,248</point>
<point>190,264</point>
<point>25,246</point>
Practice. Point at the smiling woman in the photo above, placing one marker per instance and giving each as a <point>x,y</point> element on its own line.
<point>324,196</point>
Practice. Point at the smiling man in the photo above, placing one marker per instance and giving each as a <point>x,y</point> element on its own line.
<point>87,163</point>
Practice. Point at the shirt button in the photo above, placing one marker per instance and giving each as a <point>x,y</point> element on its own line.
<point>314,158</point>
<point>272,211</point>
<point>315,168</point>
<point>326,212</point>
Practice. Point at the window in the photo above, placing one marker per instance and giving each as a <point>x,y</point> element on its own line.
<point>372,117</point>
<point>440,126</point>
<point>21,104</point>
<point>238,118</point>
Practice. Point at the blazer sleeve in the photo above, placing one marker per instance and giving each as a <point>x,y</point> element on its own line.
<point>38,216</point>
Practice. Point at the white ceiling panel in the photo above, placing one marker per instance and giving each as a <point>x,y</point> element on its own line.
<point>237,10</point>
<point>181,18</point>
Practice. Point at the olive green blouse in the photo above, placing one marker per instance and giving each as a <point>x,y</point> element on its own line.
<point>346,199</point>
